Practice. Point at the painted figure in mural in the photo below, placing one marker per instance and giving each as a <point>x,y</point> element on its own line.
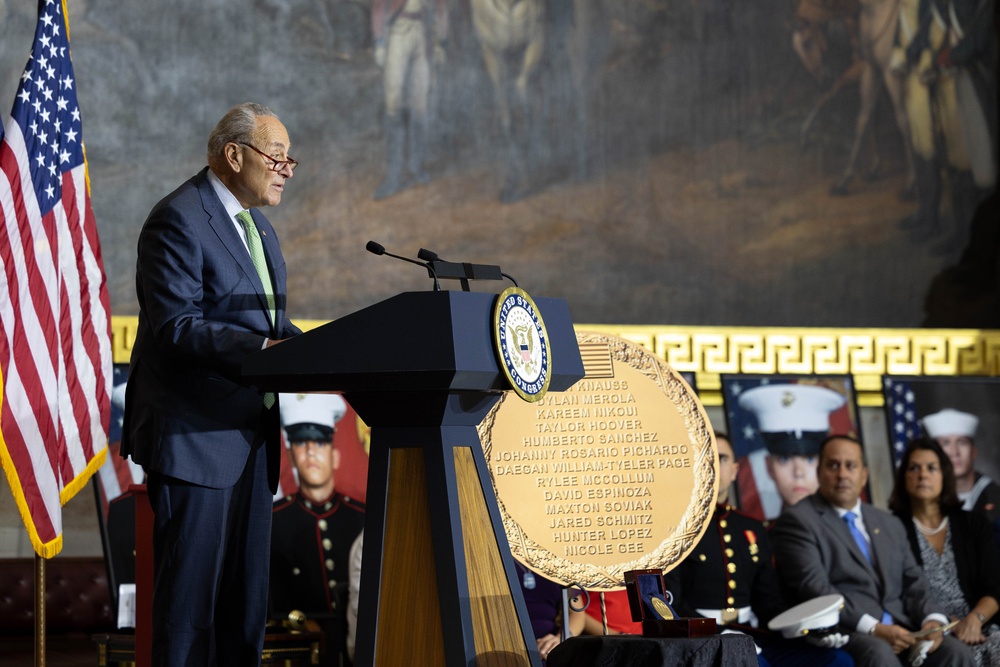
<point>811,41</point>
<point>581,31</point>
<point>917,100</point>
<point>955,432</point>
<point>512,35</point>
<point>313,530</point>
<point>211,287</point>
<point>951,61</point>
<point>409,40</point>
<point>347,24</point>
<point>793,420</point>
<point>515,36</point>
<point>877,23</point>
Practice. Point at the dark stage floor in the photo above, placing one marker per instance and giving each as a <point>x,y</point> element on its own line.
<point>60,651</point>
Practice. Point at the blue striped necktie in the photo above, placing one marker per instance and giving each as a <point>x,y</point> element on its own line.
<point>858,536</point>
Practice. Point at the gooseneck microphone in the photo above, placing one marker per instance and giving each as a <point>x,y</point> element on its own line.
<point>379,249</point>
<point>463,271</point>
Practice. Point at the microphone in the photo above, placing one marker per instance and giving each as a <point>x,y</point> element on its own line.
<point>379,249</point>
<point>463,271</point>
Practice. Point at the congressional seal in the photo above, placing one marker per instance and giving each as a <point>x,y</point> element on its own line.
<point>617,473</point>
<point>522,344</point>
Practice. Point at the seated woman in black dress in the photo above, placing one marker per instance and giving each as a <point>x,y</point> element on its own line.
<point>954,547</point>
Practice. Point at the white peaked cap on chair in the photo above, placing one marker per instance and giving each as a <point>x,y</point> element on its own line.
<point>819,613</point>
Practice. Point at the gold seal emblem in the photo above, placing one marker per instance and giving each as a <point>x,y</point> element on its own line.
<point>662,608</point>
<point>617,473</point>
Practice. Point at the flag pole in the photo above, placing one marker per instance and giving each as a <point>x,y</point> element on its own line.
<point>39,611</point>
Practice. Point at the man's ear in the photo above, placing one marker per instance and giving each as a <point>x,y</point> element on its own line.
<point>335,458</point>
<point>234,156</point>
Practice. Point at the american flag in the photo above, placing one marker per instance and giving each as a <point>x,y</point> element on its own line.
<point>55,325</point>
<point>901,413</point>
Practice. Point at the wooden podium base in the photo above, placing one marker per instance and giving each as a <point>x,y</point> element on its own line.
<point>440,567</point>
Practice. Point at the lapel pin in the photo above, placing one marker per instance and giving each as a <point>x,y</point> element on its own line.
<point>876,531</point>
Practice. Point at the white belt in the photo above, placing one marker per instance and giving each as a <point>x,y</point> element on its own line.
<point>744,615</point>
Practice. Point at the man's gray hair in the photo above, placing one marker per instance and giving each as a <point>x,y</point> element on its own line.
<point>237,126</point>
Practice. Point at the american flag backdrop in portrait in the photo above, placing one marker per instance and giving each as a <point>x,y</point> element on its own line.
<point>55,326</point>
<point>901,413</point>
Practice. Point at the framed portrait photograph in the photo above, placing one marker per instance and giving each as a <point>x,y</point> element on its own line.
<point>776,424</point>
<point>963,416</point>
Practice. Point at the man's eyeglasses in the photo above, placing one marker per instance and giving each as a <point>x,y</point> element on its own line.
<point>276,165</point>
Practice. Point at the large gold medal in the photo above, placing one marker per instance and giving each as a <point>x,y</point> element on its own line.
<point>617,473</point>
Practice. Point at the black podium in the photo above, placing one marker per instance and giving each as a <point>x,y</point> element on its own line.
<point>438,585</point>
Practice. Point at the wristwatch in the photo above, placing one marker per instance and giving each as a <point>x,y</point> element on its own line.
<point>982,619</point>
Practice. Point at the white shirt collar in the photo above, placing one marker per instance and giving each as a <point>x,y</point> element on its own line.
<point>229,200</point>
<point>230,203</point>
<point>856,509</point>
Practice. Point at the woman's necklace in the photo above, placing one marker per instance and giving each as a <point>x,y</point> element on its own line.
<point>930,531</point>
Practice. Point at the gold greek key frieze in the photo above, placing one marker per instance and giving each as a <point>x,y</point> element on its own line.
<point>708,352</point>
<point>866,354</point>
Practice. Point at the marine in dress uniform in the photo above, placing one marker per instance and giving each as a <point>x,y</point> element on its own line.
<point>793,420</point>
<point>313,530</point>
<point>729,576</point>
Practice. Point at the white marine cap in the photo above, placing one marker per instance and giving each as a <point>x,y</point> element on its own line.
<point>793,419</point>
<point>950,422</point>
<point>820,613</point>
<point>311,416</point>
<point>791,407</point>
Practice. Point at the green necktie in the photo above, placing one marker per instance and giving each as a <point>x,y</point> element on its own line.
<point>259,263</point>
<point>257,255</point>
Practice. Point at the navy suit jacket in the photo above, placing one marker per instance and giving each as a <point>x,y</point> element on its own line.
<point>816,555</point>
<point>202,310</point>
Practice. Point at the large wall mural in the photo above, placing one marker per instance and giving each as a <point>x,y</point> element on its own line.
<point>713,162</point>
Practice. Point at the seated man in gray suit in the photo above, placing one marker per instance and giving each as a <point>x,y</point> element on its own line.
<point>831,542</point>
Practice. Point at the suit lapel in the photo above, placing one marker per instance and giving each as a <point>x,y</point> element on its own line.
<point>839,528</point>
<point>225,229</point>
<point>881,551</point>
